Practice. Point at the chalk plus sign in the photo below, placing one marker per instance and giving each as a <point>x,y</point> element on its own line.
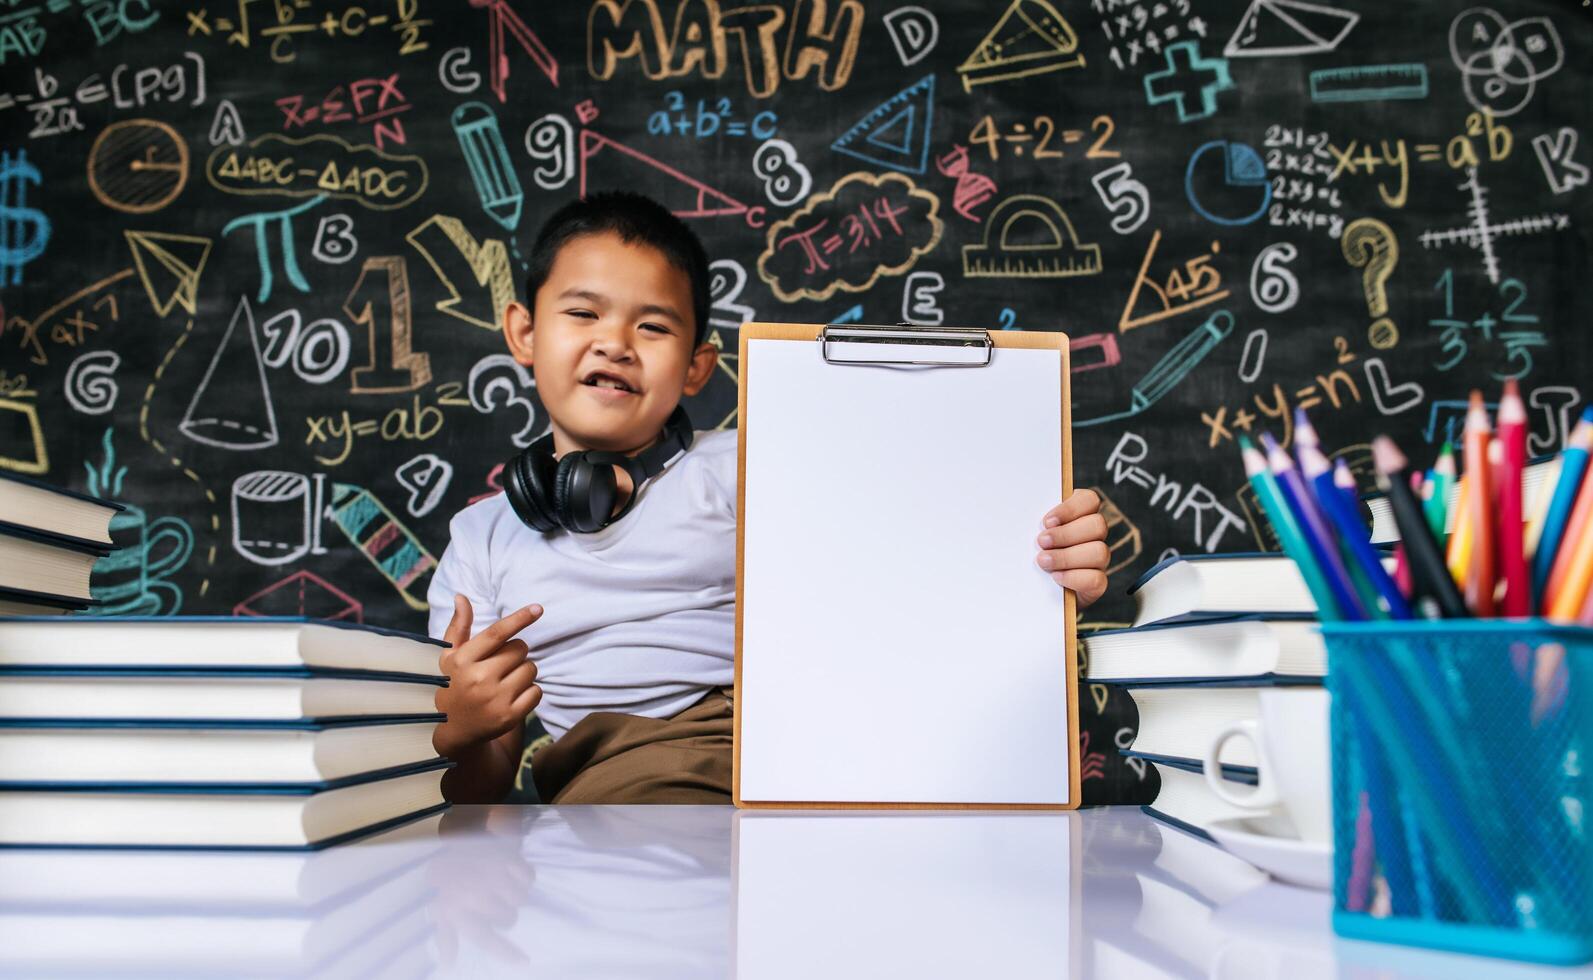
<point>1188,75</point>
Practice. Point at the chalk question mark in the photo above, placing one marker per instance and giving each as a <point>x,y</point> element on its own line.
<point>1370,245</point>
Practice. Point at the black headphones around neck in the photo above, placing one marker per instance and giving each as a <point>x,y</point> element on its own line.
<point>577,492</point>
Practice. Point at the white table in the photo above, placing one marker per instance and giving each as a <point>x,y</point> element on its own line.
<point>661,891</point>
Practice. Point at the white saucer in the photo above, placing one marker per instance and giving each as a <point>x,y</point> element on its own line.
<point>1284,858</point>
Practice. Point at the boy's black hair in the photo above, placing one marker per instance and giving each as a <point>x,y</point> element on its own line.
<point>634,218</point>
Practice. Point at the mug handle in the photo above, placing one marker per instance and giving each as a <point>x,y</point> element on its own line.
<point>1266,792</point>
<point>182,537</point>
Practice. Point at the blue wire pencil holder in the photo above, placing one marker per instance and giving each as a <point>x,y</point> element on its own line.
<point>1462,760</point>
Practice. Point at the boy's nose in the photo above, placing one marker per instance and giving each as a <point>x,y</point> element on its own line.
<point>612,344</point>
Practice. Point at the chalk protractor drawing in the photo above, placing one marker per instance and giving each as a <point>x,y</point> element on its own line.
<point>1030,237</point>
<point>1031,38</point>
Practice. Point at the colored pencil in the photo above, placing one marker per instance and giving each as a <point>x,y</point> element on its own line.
<point>1480,571</point>
<point>1573,590</point>
<point>1577,529</point>
<point>1287,528</point>
<point>1428,574</point>
<point>1345,483</point>
<point>1535,502</point>
<point>1573,464</point>
<point>1517,600</point>
<point>1443,480</point>
<point>1351,531</point>
<point>1429,501</point>
<point>1314,528</point>
<point>1459,549</point>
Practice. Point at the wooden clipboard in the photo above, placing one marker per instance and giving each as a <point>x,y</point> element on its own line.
<point>822,337</point>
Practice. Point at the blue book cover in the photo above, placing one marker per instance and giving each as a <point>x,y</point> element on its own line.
<point>341,624</point>
<point>229,789</point>
<point>81,545</point>
<point>219,672</point>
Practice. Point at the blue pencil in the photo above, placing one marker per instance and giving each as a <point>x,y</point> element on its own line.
<point>1573,463</point>
<point>1345,518</point>
<point>1314,529</point>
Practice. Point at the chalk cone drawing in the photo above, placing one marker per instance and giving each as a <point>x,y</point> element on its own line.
<point>1031,38</point>
<point>232,408</point>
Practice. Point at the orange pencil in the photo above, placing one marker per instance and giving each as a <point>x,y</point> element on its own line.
<point>1458,557</point>
<point>1512,555</point>
<point>1586,618</point>
<point>1573,545</point>
<point>1573,594</point>
<point>1479,574</point>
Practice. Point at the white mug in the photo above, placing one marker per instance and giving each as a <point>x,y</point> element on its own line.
<point>1295,776</point>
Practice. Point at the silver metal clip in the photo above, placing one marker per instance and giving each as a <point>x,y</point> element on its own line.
<point>904,344</point>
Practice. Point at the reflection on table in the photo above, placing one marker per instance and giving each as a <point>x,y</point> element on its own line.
<point>632,891</point>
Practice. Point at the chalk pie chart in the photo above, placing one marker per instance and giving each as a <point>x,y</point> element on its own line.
<point>1227,183</point>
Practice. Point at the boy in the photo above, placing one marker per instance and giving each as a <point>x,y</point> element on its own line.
<point>632,673</point>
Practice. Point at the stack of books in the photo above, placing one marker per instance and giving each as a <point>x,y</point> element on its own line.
<point>1210,633</point>
<point>49,540</point>
<point>211,731</point>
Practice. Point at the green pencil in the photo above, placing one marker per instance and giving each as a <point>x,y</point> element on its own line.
<point>1288,530</point>
<point>1442,478</point>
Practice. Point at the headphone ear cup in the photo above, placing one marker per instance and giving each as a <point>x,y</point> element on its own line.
<point>584,493</point>
<point>561,488</point>
<point>528,487</point>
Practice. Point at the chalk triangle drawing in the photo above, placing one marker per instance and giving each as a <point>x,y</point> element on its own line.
<point>1160,306</point>
<point>232,408</point>
<point>1288,27</point>
<point>896,133</point>
<point>1031,38</point>
<point>688,197</point>
<point>169,267</point>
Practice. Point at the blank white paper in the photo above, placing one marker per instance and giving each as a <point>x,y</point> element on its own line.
<point>899,642</point>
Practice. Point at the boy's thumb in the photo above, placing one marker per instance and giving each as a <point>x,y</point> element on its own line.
<point>460,623</point>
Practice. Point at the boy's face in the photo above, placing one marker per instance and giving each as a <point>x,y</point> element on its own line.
<point>610,311</point>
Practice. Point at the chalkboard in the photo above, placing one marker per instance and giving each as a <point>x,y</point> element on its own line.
<point>252,251</point>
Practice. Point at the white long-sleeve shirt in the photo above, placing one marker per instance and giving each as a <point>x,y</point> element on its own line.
<point>637,618</point>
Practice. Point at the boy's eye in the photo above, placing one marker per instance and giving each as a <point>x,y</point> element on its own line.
<point>660,328</point>
<point>585,314</point>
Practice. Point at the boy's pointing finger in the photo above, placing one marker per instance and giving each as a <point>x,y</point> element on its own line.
<point>487,642</point>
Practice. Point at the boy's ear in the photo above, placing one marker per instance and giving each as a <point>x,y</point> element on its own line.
<point>517,332</point>
<point>703,361</point>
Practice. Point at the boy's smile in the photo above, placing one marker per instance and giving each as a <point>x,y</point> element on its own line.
<point>610,338</point>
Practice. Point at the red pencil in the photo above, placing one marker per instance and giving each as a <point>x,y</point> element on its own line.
<point>1511,548</point>
<point>1480,574</point>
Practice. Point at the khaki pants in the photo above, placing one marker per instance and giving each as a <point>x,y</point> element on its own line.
<point>610,757</point>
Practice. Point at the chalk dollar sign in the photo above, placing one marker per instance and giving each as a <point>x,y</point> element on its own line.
<point>24,231</point>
